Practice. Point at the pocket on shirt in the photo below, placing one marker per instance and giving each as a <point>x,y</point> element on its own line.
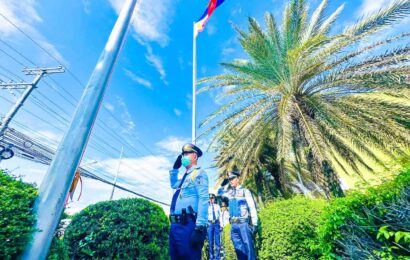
<point>188,191</point>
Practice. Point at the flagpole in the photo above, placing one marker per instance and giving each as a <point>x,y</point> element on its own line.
<point>194,86</point>
<point>49,203</point>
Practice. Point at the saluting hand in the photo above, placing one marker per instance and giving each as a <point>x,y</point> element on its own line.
<point>178,162</point>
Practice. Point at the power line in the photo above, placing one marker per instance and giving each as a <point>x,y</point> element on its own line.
<point>11,57</point>
<point>63,120</point>
<point>72,74</point>
<point>102,149</point>
<point>19,53</point>
<point>106,128</point>
<point>11,73</point>
<point>19,140</point>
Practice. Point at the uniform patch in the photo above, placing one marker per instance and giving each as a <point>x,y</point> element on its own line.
<point>200,180</point>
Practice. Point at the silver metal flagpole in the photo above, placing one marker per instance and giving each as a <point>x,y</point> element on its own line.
<point>53,190</point>
<point>194,87</point>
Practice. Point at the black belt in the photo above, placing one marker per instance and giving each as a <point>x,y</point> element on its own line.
<point>181,219</point>
<point>238,220</point>
<point>213,222</point>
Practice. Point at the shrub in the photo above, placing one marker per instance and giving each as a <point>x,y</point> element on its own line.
<point>229,250</point>
<point>58,250</point>
<point>287,229</point>
<point>364,225</point>
<point>16,218</point>
<point>122,229</point>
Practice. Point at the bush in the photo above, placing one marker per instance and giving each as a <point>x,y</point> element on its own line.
<point>16,218</point>
<point>122,229</point>
<point>370,224</point>
<point>229,250</point>
<point>58,250</point>
<point>287,229</point>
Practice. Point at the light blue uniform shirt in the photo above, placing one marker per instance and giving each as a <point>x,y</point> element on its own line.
<point>194,193</point>
<point>241,203</point>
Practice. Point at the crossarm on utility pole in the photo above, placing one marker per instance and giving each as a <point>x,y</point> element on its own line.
<point>40,72</point>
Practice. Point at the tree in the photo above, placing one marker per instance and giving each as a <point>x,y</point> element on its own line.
<point>328,103</point>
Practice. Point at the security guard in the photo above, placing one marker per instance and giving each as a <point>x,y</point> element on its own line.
<point>214,228</point>
<point>243,216</point>
<point>189,206</point>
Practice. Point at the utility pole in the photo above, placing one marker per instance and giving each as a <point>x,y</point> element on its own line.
<point>116,175</point>
<point>28,88</point>
<point>49,204</point>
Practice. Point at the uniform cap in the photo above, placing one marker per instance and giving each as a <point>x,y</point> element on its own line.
<point>191,148</point>
<point>233,174</point>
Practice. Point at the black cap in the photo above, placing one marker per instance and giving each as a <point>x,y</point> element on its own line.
<point>233,174</point>
<point>211,195</point>
<point>191,148</point>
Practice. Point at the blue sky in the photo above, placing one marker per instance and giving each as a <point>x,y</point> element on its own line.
<point>150,93</point>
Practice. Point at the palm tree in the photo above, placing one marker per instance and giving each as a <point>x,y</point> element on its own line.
<point>330,104</point>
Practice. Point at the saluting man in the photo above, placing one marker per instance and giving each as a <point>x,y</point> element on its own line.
<point>189,206</point>
<point>214,228</point>
<point>243,216</point>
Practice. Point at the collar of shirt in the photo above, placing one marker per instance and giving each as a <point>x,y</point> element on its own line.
<point>238,187</point>
<point>195,167</point>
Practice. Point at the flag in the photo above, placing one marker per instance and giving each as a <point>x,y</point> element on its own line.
<point>200,24</point>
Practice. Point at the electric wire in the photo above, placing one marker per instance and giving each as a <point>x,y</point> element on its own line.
<point>114,134</point>
<point>62,64</point>
<point>94,176</point>
<point>72,74</point>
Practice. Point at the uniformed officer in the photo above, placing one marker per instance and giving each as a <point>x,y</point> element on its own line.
<point>214,228</point>
<point>243,216</point>
<point>189,206</point>
<point>224,218</point>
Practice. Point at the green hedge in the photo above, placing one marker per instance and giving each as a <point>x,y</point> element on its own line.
<point>16,219</point>
<point>287,229</point>
<point>229,250</point>
<point>364,225</point>
<point>121,229</point>
<point>58,250</point>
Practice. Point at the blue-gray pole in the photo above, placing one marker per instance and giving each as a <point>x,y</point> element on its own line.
<point>53,191</point>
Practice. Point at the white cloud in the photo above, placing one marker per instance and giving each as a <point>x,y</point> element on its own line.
<point>181,63</point>
<point>87,5</point>
<point>152,19</point>
<point>146,175</point>
<point>138,79</point>
<point>236,11</point>
<point>126,117</point>
<point>188,101</point>
<point>109,106</point>
<point>151,24</point>
<point>51,136</point>
<point>203,69</point>
<point>172,144</point>
<point>177,112</point>
<point>24,15</point>
<point>211,29</point>
<point>370,6</point>
<point>227,51</point>
<point>156,62</point>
